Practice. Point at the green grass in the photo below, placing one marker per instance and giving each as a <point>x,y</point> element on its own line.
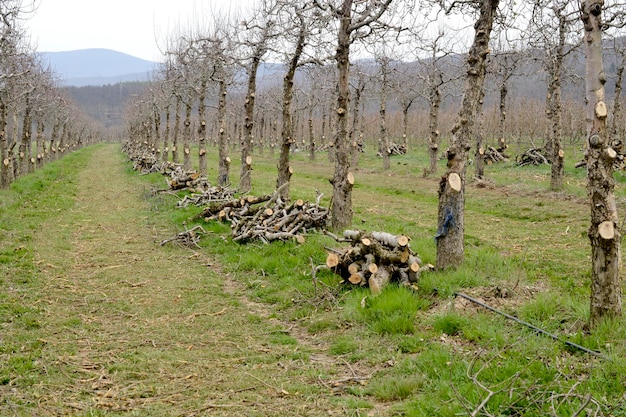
<point>416,352</point>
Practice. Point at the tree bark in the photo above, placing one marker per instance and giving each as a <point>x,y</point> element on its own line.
<point>343,180</point>
<point>557,157</point>
<point>451,222</point>
<point>384,137</point>
<point>166,133</point>
<point>434,100</point>
<point>479,161</point>
<point>5,162</point>
<point>604,233</point>
<point>202,158</point>
<point>177,110</point>
<point>354,139</point>
<point>284,170</point>
<point>40,144</point>
<point>616,118</point>
<point>245,178</point>
<point>24,146</point>
<point>187,137</point>
<point>222,145</point>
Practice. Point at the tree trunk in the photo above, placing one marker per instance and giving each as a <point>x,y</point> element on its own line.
<point>166,134</point>
<point>5,162</point>
<point>616,118</point>
<point>604,232</point>
<point>156,119</point>
<point>177,110</point>
<point>558,170</point>
<point>451,222</point>
<point>245,178</point>
<point>202,162</point>
<point>406,105</point>
<point>24,147</point>
<point>311,133</point>
<point>479,157</point>
<point>40,141</point>
<point>433,123</point>
<point>343,179</point>
<point>187,137</point>
<point>354,140</point>
<point>502,142</point>
<point>284,170</point>
<point>222,145</point>
<point>384,137</point>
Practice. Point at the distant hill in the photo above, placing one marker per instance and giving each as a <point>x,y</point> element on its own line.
<point>97,67</point>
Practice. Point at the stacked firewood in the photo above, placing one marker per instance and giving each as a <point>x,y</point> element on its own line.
<point>492,155</point>
<point>268,218</point>
<point>532,156</point>
<point>374,259</point>
<point>212,195</point>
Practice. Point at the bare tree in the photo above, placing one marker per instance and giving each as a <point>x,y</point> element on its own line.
<point>552,25</point>
<point>355,138</point>
<point>217,47</point>
<point>297,34</point>
<point>385,68</point>
<point>451,219</point>
<point>604,232</point>
<point>433,79</point>
<point>256,34</point>
<point>505,63</point>
<point>356,19</point>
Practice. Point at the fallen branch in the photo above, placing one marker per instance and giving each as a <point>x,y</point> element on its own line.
<point>189,238</point>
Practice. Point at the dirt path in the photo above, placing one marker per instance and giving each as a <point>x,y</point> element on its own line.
<point>151,330</point>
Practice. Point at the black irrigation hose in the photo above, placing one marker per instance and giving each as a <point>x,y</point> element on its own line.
<point>535,328</point>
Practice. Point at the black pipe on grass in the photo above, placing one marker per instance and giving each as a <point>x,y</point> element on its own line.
<point>535,328</point>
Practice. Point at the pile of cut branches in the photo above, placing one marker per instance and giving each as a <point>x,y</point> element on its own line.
<point>394,149</point>
<point>179,179</point>
<point>268,218</point>
<point>532,156</point>
<point>374,259</point>
<point>492,155</point>
<point>189,238</point>
<point>210,196</point>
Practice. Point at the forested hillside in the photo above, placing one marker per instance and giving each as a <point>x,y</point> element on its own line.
<point>106,104</point>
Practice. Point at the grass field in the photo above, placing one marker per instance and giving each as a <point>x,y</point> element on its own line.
<point>97,319</point>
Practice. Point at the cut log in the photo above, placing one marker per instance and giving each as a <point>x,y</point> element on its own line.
<point>454,180</point>
<point>357,278</point>
<point>606,230</point>
<point>378,280</point>
<point>332,260</point>
<point>390,240</point>
<point>354,267</point>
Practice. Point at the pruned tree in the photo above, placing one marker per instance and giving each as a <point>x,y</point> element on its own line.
<point>356,19</point>
<point>384,72</point>
<point>356,136</point>
<point>553,22</point>
<point>297,34</point>
<point>221,73</point>
<point>506,62</point>
<point>255,37</point>
<point>433,78</point>
<point>451,210</point>
<point>604,231</point>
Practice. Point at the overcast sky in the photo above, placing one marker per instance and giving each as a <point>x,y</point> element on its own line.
<point>135,27</point>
